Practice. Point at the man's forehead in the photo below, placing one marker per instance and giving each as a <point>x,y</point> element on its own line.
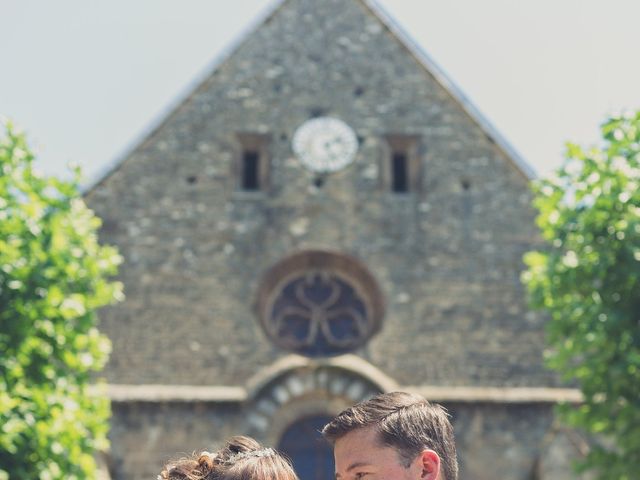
<point>352,460</point>
<point>361,436</point>
<point>359,447</point>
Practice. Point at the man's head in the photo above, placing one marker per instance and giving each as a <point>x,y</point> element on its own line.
<point>393,436</point>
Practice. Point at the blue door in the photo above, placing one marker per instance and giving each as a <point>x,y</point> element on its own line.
<point>311,455</point>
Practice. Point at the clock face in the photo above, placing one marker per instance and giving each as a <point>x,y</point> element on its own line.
<point>325,144</point>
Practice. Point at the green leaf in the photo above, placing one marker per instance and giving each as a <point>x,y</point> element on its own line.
<point>54,275</point>
<point>588,280</point>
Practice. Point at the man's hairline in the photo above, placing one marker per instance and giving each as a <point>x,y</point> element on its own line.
<point>375,427</point>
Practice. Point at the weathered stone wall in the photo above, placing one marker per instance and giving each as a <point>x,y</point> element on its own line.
<point>515,442</point>
<point>145,436</point>
<point>494,441</point>
<point>447,258</point>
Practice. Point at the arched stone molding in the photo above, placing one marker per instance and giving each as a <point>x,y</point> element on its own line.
<point>299,408</point>
<point>349,363</point>
<point>282,395</point>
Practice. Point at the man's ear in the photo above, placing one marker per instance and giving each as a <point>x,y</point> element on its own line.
<point>430,465</point>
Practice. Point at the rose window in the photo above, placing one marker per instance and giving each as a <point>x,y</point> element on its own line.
<point>320,311</point>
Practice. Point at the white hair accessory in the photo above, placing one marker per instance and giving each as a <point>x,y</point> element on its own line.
<point>265,452</point>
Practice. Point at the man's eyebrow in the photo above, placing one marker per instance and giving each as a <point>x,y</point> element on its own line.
<point>356,465</point>
<point>352,466</point>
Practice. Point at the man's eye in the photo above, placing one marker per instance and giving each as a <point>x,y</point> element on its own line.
<point>360,475</point>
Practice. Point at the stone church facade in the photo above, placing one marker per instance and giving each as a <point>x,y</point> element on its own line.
<point>323,218</point>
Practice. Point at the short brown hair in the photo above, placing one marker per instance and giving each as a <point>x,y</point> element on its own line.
<point>242,458</point>
<point>404,421</point>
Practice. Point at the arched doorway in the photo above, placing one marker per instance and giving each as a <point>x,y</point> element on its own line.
<point>311,455</point>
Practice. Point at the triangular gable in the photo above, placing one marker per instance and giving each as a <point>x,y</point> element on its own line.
<point>397,32</point>
<point>451,88</point>
<point>185,95</point>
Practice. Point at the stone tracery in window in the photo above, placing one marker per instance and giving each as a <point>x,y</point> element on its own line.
<point>312,305</point>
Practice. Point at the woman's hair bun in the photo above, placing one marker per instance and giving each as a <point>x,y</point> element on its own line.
<point>206,461</point>
<point>235,446</point>
<point>241,458</point>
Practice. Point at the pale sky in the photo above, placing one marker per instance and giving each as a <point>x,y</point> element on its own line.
<point>86,79</point>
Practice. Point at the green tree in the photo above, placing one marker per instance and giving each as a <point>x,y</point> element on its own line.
<point>53,276</point>
<point>588,280</point>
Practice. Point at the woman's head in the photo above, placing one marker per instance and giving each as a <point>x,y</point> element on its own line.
<point>242,458</point>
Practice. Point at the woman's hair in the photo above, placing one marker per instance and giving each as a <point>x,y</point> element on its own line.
<point>242,458</point>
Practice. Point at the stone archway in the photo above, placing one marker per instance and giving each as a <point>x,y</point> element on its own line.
<point>289,408</point>
<point>303,391</point>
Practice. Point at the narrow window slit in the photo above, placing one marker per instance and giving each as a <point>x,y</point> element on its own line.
<point>399,172</point>
<point>252,162</point>
<point>250,170</point>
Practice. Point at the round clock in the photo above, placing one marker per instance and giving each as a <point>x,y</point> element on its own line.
<point>325,144</point>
